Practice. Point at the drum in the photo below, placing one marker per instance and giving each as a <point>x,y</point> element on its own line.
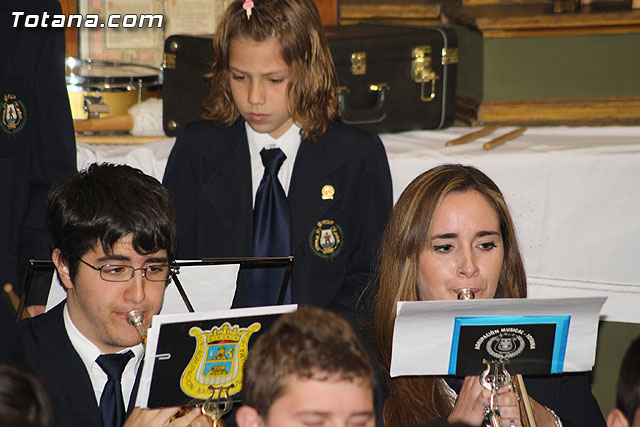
<point>99,89</point>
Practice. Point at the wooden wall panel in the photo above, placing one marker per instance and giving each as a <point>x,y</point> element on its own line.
<point>70,7</point>
<point>329,11</point>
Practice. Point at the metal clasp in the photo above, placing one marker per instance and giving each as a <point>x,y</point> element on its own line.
<point>423,73</point>
<point>169,61</point>
<point>449,55</point>
<point>94,106</point>
<point>358,63</point>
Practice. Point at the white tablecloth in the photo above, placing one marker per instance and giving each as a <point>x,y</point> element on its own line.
<point>573,193</point>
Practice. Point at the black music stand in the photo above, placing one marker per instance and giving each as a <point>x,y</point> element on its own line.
<point>34,265</point>
<point>271,262</point>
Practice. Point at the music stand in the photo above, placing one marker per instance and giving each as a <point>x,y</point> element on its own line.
<point>34,265</point>
<point>244,262</point>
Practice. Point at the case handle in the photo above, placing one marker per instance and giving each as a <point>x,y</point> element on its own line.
<point>374,114</point>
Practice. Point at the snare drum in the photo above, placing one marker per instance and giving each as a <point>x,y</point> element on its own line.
<point>105,89</point>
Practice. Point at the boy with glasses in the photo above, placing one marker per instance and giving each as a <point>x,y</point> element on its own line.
<point>106,223</point>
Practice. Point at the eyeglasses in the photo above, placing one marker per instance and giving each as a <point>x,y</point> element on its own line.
<point>124,273</point>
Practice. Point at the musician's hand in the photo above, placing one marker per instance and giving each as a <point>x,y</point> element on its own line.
<point>543,417</point>
<point>468,408</point>
<point>509,408</point>
<point>162,417</point>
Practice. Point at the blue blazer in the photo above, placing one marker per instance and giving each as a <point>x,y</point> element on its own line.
<point>39,151</point>
<point>209,177</point>
<point>42,343</point>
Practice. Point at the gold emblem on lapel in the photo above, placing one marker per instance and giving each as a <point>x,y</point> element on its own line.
<point>326,239</point>
<point>14,115</point>
<point>327,192</point>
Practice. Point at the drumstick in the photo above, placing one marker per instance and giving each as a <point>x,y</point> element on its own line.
<point>471,136</point>
<point>143,119</point>
<point>504,138</point>
<point>123,122</point>
<point>13,298</point>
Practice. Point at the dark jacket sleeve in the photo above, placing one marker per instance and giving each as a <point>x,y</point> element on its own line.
<point>41,149</point>
<point>570,397</point>
<point>181,179</point>
<point>372,207</point>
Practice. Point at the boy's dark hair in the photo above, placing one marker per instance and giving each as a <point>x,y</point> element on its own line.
<point>105,203</point>
<point>312,95</point>
<point>309,343</point>
<point>628,390</point>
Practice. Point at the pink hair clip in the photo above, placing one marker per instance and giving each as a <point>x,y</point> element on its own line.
<point>247,6</point>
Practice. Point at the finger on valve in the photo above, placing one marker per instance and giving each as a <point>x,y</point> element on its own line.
<point>509,408</point>
<point>469,406</point>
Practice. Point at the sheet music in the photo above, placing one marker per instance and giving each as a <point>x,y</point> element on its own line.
<point>184,323</point>
<point>424,330</point>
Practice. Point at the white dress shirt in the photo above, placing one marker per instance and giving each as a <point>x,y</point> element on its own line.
<point>289,143</point>
<point>89,352</point>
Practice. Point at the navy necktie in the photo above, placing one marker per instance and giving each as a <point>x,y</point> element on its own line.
<point>111,401</point>
<point>271,230</point>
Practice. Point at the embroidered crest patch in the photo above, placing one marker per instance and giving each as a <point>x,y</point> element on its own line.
<point>14,115</point>
<point>326,239</point>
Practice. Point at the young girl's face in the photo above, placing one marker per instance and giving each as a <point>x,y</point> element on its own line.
<point>258,79</point>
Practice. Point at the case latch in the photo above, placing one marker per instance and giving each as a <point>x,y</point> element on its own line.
<point>449,55</point>
<point>423,73</point>
<point>169,62</point>
<point>358,63</point>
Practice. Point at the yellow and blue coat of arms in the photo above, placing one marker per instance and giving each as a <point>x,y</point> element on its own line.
<point>217,361</point>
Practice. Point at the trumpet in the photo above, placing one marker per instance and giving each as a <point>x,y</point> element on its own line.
<point>136,318</point>
<point>501,377</point>
<point>213,408</point>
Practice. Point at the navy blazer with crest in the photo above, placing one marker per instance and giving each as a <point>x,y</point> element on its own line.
<point>209,176</point>
<point>40,151</point>
<point>42,344</point>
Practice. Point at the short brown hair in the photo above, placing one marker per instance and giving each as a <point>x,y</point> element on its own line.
<point>418,399</point>
<point>312,94</point>
<point>309,343</point>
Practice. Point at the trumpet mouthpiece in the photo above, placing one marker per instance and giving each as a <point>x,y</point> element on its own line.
<point>466,294</point>
<point>136,318</point>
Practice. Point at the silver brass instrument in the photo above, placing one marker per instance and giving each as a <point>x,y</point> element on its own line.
<point>213,408</point>
<point>496,376</point>
<point>136,318</point>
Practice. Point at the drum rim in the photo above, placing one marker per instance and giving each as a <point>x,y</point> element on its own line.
<point>106,82</point>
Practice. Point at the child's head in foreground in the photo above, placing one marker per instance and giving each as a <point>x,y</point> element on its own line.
<point>307,369</point>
